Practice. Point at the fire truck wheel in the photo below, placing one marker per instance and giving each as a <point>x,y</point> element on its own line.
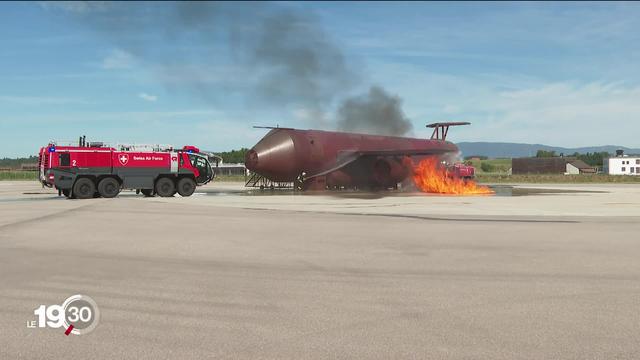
<point>165,187</point>
<point>186,186</point>
<point>108,187</point>
<point>84,188</point>
<point>147,192</point>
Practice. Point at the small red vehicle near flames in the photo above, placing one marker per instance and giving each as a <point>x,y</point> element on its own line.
<point>461,171</point>
<point>94,170</point>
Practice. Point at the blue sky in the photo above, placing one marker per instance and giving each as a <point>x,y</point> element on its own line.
<point>562,74</point>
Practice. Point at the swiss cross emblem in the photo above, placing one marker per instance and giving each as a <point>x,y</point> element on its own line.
<point>124,159</point>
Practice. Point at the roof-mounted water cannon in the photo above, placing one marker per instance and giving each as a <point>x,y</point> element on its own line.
<point>441,129</point>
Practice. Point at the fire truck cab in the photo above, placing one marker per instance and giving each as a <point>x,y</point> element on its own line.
<point>95,170</point>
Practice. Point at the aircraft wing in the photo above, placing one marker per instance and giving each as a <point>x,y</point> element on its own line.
<point>410,152</point>
<point>349,156</point>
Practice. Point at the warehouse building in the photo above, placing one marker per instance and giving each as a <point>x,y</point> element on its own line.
<point>547,165</point>
<point>551,165</point>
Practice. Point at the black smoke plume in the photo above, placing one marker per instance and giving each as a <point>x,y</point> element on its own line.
<point>376,112</point>
<point>280,57</point>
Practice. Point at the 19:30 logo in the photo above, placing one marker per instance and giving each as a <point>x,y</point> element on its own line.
<point>78,315</point>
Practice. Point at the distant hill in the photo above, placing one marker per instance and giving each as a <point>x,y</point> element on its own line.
<point>511,150</point>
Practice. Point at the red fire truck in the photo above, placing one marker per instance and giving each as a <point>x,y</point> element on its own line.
<point>461,171</point>
<point>93,169</point>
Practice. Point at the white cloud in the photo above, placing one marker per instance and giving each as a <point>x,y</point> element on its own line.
<point>118,59</point>
<point>214,130</point>
<point>559,113</point>
<point>40,100</point>
<point>75,6</point>
<point>568,114</point>
<point>314,118</point>
<point>189,74</point>
<point>147,97</point>
<point>518,108</point>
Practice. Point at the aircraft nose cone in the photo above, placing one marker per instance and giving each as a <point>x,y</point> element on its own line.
<point>251,160</point>
<point>274,157</point>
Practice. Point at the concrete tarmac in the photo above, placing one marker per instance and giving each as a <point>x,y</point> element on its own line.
<point>224,274</point>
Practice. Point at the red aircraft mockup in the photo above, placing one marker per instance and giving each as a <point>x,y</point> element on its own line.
<point>318,160</point>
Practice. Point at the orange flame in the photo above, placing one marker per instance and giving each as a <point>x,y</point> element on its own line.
<point>430,176</point>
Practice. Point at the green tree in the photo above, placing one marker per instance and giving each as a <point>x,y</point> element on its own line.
<point>233,156</point>
<point>481,157</point>
<point>16,163</point>
<point>593,159</point>
<point>545,154</point>
<point>487,167</point>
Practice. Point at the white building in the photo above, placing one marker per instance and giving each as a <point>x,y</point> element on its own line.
<point>231,169</point>
<point>622,165</point>
<point>576,167</point>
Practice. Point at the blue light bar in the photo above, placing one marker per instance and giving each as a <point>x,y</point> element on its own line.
<point>52,149</point>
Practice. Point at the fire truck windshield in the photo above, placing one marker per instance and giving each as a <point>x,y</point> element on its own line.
<point>204,168</point>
